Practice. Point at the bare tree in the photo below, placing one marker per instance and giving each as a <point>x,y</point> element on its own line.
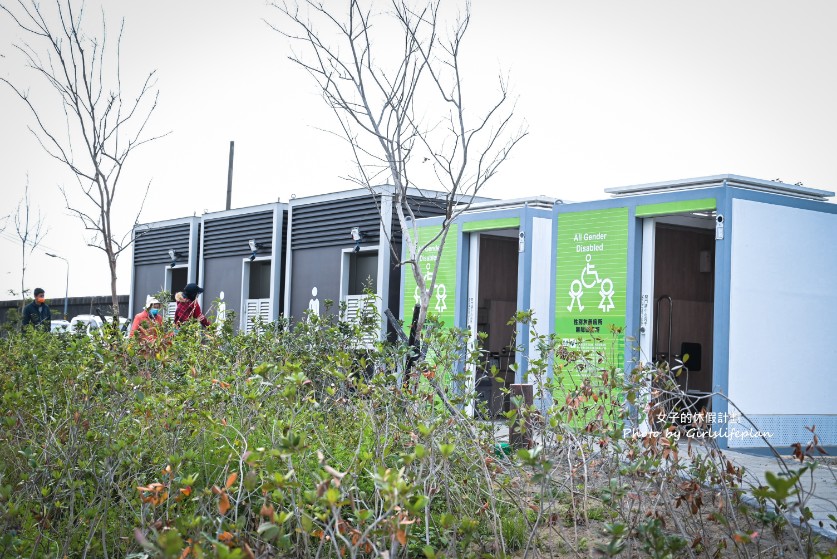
<point>30,230</point>
<point>100,128</point>
<point>399,96</point>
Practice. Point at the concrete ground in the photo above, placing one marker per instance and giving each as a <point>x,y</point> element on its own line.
<point>820,486</point>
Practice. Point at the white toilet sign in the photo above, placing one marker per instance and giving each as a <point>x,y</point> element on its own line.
<point>589,280</point>
<point>439,303</point>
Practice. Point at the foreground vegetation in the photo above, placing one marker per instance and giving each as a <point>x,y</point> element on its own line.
<point>292,442</point>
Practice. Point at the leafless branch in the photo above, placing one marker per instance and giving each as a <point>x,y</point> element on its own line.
<point>382,101</point>
<point>30,229</point>
<point>101,127</point>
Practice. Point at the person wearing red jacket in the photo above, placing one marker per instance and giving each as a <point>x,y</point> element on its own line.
<point>147,323</point>
<point>188,307</point>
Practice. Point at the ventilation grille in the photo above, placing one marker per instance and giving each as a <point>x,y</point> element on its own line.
<point>356,305</point>
<point>329,223</point>
<point>229,235</point>
<point>256,309</point>
<point>152,245</point>
<point>783,430</point>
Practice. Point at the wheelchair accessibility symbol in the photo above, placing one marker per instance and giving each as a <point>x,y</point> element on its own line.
<point>589,279</point>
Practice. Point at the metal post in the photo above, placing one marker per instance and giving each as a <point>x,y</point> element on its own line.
<point>66,284</point>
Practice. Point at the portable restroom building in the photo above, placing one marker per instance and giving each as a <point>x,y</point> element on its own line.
<point>242,255</point>
<point>733,271</point>
<point>341,244</point>
<point>496,261</point>
<point>165,258</point>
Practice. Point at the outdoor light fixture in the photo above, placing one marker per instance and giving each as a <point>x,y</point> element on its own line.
<point>254,247</point>
<point>357,237</point>
<point>173,254</point>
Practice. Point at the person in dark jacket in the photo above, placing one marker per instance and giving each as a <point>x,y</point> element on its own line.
<point>188,307</point>
<point>37,313</point>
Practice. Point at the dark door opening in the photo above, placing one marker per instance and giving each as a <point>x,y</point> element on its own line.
<point>259,287</point>
<point>363,272</point>
<point>179,279</point>
<point>496,305</point>
<point>684,299</point>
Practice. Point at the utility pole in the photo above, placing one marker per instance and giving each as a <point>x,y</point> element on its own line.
<point>229,175</point>
<point>67,284</point>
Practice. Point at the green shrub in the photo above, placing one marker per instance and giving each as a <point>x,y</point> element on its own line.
<point>295,439</point>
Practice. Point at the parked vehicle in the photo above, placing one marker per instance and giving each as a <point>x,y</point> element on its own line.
<point>60,326</point>
<point>90,323</point>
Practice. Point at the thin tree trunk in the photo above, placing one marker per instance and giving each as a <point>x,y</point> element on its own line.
<point>22,276</point>
<point>113,294</point>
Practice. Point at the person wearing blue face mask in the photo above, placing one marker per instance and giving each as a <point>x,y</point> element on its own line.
<point>149,322</point>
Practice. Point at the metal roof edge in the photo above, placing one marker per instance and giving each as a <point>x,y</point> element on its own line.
<point>751,183</point>
<point>316,198</point>
<point>243,211</point>
<point>532,201</point>
<point>379,189</point>
<point>167,222</point>
<point>780,187</point>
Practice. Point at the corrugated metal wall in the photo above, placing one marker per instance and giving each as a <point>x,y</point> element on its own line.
<point>329,223</point>
<point>228,236</point>
<point>151,245</point>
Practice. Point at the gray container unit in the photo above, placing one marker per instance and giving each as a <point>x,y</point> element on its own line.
<point>235,277</point>
<point>326,263</point>
<point>165,257</point>
<point>737,273</point>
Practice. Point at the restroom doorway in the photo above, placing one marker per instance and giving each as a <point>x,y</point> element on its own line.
<point>681,298</point>
<point>492,302</point>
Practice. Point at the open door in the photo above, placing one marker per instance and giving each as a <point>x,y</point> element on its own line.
<point>359,277</point>
<point>678,298</point>
<point>256,300</point>
<point>492,302</point>
<point>176,279</point>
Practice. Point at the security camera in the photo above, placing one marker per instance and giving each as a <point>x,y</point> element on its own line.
<point>719,218</point>
<point>254,248</point>
<point>719,227</point>
<point>357,237</point>
<point>172,254</point>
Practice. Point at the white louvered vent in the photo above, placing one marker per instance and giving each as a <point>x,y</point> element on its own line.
<point>354,304</point>
<point>256,308</point>
<point>779,430</point>
<point>170,310</point>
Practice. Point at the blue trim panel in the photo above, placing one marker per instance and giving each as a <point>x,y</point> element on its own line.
<point>720,331</point>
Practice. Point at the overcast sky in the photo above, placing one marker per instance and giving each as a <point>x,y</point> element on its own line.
<point>614,93</point>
